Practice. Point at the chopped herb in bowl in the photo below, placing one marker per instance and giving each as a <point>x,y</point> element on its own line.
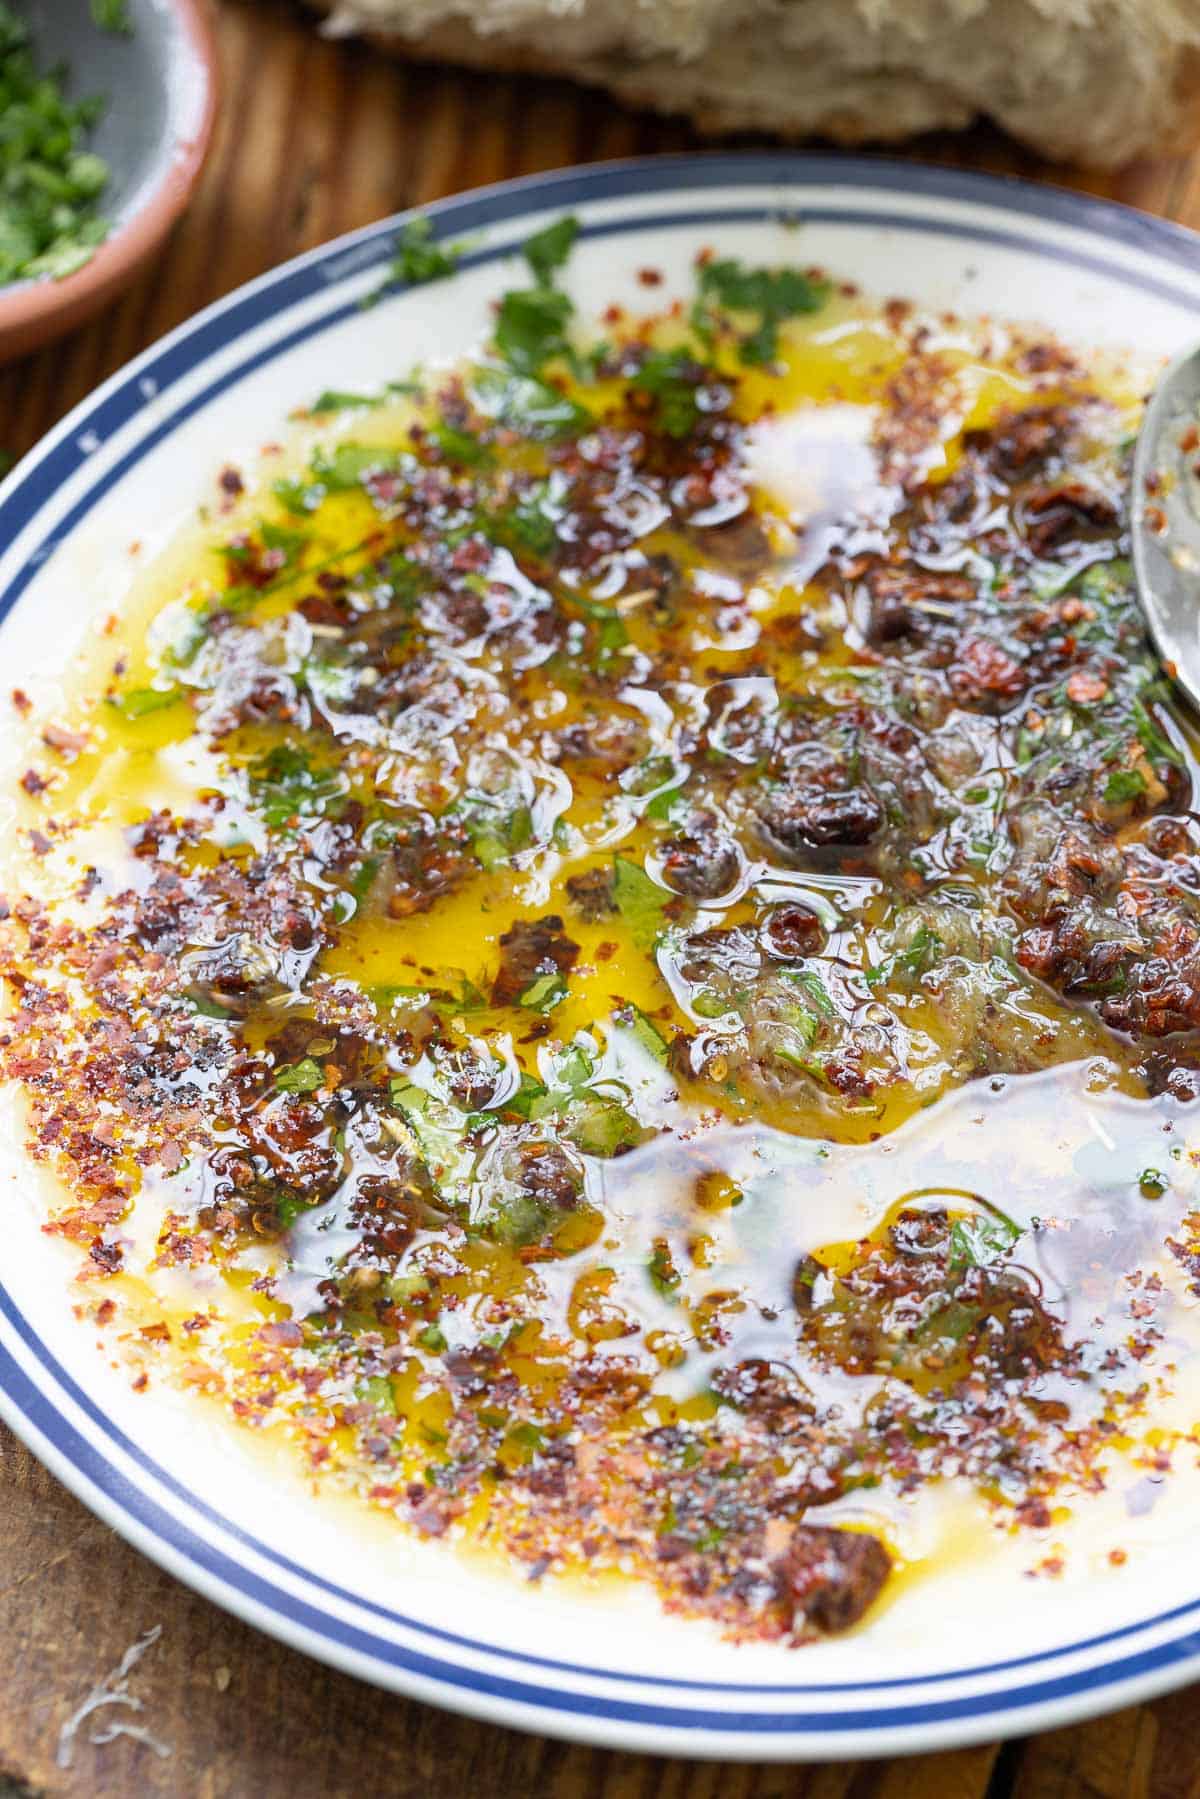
<point>50,183</point>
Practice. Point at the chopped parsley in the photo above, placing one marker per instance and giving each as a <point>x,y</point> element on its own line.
<point>50,184</point>
<point>299,1077</point>
<point>770,295</point>
<point>672,378</point>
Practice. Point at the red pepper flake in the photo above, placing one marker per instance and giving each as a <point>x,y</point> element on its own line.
<point>230,482</point>
<point>1085,687</point>
<point>650,277</point>
<point>33,782</point>
<point>21,700</point>
<point>283,1331</point>
<point>68,743</point>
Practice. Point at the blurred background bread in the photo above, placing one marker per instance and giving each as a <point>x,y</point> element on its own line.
<point>1097,82</point>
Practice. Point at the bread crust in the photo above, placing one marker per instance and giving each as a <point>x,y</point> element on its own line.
<point>872,106</point>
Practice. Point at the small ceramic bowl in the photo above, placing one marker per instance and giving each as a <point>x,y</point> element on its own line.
<point>160,82</point>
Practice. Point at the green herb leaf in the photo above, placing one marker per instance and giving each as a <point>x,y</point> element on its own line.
<point>661,1268</point>
<point>458,446</point>
<point>346,465</point>
<point>335,400</point>
<point>981,1239</point>
<point>285,786</point>
<point>773,294</point>
<point>419,258</point>
<point>531,328</point>
<point>639,901</point>
<point>49,183</point>
<point>1124,784</point>
<point>299,1077</point>
<point>112,16</point>
<point>139,702</point>
<point>672,378</point>
<point>526,404</point>
<point>547,251</point>
<point>545,993</point>
<point>645,1033</point>
<point>377,1390</point>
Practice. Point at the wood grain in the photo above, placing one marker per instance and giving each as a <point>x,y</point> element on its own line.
<point>316,138</point>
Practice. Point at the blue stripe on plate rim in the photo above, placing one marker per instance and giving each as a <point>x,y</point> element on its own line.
<point>153,1528</point>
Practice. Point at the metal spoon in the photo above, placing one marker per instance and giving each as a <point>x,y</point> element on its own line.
<point>1165,520</point>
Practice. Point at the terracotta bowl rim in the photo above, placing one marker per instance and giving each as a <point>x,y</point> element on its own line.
<point>24,305</point>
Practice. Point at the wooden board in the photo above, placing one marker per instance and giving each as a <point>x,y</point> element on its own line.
<point>316,138</point>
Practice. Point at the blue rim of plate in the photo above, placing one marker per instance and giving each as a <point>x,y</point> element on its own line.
<point>657,1712</point>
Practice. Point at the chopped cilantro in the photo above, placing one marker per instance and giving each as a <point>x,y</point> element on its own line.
<point>544,993</point>
<point>1156,746</point>
<point>334,399</point>
<point>672,378</point>
<point>418,258</point>
<point>346,465</point>
<point>49,184</point>
<point>645,1033</point>
<point>981,1239</point>
<point>1124,784</point>
<point>299,1077</point>
<point>530,522</point>
<point>139,702</point>
<point>661,1268</point>
<point>377,1390</point>
<point>457,445</point>
<point>908,964</point>
<point>1152,1183</point>
<point>639,901</point>
<point>531,328</point>
<point>526,404</point>
<point>112,16</point>
<point>547,251</point>
<point>772,294</point>
<point>285,786</point>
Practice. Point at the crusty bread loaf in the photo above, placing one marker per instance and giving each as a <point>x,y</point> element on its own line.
<point>1097,82</point>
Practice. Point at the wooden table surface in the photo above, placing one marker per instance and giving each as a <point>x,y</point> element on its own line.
<point>316,138</point>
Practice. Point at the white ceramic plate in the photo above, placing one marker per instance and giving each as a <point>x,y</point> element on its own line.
<point>962,1656</point>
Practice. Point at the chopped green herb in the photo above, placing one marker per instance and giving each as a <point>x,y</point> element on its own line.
<point>661,1268</point>
<point>531,328</point>
<point>547,251</point>
<point>645,1033</point>
<point>1152,1183</point>
<point>640,901</point>
<point>299,1077</point>
<point>544,993</point>
<point>285,786</point>
<point>526,404</point>
<point>418,258</point>
<point>377,1390</point>
<point>345,467</point>
<point>981,1239</point>
<point>456,445</point>
<point>1124,784</point>
<point>112,16</point>
<point>672,377</point>
<point>335,400</point>
<point>49,184</point>
<point>772,294</point>
<point>139,702</point>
